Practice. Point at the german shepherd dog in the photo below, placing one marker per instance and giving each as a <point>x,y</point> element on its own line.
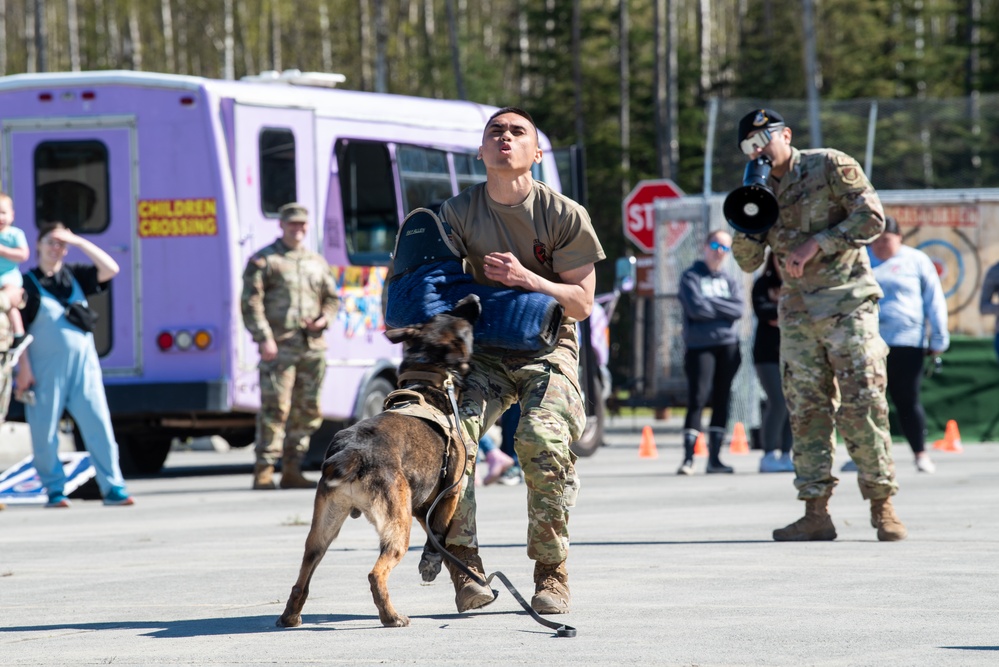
<point>392,467</point>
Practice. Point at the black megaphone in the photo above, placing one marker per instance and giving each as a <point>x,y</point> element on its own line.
<point>752,209</point>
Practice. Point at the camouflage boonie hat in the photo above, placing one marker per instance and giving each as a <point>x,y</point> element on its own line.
<point>294,212</point>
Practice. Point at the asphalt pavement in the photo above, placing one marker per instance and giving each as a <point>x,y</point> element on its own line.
<point>664,570</point>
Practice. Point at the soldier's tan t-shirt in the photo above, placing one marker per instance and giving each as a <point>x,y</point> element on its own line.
<point>548,232</point>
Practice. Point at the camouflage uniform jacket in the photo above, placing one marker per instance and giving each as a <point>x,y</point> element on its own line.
<point>281,288</point>
<point>825,195</point>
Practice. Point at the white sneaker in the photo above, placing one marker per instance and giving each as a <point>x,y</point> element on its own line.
<point>686,468</point>
<point>924,464</point>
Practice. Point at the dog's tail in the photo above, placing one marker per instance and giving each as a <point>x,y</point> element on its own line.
<point>342,467</point>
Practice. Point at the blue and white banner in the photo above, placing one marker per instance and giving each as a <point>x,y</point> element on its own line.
<point>20,485</point>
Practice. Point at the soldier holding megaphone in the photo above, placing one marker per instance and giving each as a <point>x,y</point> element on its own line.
<point>816,210</point>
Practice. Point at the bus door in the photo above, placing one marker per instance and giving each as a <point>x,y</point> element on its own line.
<point>275,165</point>
<point>81,172</point>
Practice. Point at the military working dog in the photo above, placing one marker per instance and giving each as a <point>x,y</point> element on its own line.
<point>392,467</point>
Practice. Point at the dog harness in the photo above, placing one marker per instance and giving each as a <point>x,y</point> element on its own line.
<point>413,404</point>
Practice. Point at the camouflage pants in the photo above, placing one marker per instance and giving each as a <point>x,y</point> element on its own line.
<point>552,417</point>
<point>834,378</point>
<point>289,402</point>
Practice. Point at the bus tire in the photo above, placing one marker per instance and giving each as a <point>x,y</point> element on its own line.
<point>143,454</point>
<point>374,397</point>
<point>593,432</point>
<point>137,454</point>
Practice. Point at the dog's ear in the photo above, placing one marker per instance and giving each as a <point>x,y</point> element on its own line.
<point>468,308</point>
<point>402,334</point>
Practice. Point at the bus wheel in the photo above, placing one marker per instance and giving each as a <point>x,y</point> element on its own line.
<point>374,397</point>
<point>143,454</point>
<point>137,454</point>
<point>593,432</point>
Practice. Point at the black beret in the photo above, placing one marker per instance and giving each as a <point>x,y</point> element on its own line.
<point>756,119</point>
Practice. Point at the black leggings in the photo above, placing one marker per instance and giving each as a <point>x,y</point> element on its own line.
<point>709,373</point>
<point>905,376</point>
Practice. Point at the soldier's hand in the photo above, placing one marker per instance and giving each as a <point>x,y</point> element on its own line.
<point>316,325</point>
<point>268,350</point>
<point>504,268</point>
<point>795,265</point>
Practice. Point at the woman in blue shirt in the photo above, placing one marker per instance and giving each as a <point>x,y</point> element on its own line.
<point>913,322</point>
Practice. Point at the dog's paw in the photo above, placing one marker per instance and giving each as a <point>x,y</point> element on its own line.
<point>399,621</point>
<point>430,565</point>
<point>289,621</point>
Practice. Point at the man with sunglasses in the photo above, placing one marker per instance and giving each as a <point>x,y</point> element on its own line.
<point>832,356</point>
<point>712,302</point>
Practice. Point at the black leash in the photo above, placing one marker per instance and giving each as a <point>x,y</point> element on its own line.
<point>561,630</point>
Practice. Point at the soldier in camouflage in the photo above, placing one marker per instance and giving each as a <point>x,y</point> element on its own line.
<point>832,356</point>
<point>515,231</point>
<point>289,299</point>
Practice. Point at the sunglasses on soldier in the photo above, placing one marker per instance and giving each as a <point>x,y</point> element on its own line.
<point>756,141</point>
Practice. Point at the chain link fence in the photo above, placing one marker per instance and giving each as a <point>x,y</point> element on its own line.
<point>903,144</point>
<point>682,226</point>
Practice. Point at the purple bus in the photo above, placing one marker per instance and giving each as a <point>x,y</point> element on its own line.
<point>180,179</point>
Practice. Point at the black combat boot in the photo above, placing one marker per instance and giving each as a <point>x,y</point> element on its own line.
<point>715,438</point>
<point>689,441</point>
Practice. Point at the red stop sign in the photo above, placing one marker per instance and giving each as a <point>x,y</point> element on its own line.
<point>640,210</point>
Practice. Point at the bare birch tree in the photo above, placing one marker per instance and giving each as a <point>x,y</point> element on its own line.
<point>365,40</point>
<point>4,37</point>
<point>73,25</point>
<point>229,55</point>
<point>114,48</point>
<point>624,34</point>
<point>41,37</point>
<point>245,41</point>
<point>324,29</point>
<point>166,14</point>
<point>135,37</point>
<point>430,38</point>
<point>452,29</point>
<point>523,48</point>
<point>276,36</point>
<point>707,30</point>
<point>30,46</point>
<point>381,44</point>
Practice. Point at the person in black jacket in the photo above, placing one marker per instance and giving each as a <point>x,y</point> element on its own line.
<point>775,430</point>
<point>712,303</point>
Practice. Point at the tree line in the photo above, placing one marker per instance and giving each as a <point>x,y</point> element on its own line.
<point>627,79</point>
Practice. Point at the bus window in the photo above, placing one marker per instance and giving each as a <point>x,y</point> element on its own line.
<point>424,175</point>
<point>468,170</point>
<point>367,189</point>
<point>277,169</point>
<point>71,185</point>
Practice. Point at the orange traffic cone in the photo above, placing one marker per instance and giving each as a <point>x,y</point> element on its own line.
<point>647,447</point>
<point>739,444</point>
<point>700,445</point>
<point>952,439</point>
